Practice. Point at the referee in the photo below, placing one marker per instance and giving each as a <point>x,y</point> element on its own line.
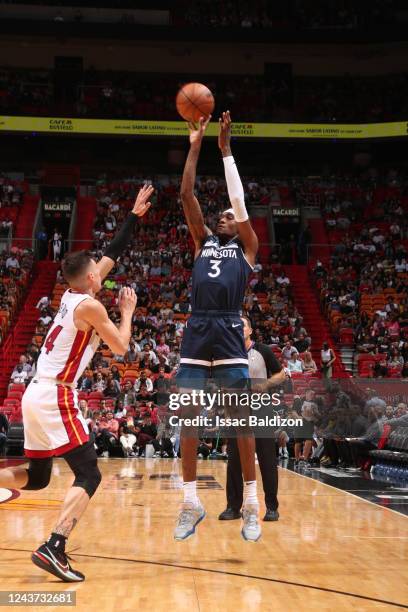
<point>263,366</point>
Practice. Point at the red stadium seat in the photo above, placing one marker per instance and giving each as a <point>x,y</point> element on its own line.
<point>11,402</point>
<point>96,395</point>
<point>17,387</point>
<point>15,395</point>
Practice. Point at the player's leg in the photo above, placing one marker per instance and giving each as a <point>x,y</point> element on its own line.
<point>189,378</point>
<point>51,555</point>
<point>38,473</point>
<point>13,478</point>
<point>233,378</point>
<point>35,477</point>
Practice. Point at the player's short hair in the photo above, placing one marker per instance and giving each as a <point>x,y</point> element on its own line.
<point>74,264</point>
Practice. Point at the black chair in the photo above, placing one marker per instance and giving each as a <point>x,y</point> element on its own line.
<point>15,440</point>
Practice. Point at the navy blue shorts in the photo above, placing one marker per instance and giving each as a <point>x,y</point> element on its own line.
<point>213,343</point>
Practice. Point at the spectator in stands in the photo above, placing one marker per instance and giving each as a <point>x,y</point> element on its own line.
<point>327,358</point>
<point>148,358</point>
<point>143,380</point>
<point>288,350</point>
<point>127,397</point>
<point>162,444</point>
<point>43,302</point>
<point>115,373</point>
<point>12,263</point>
<point>295,365</point>
<point>19,375</point>
<point>107,434</point>
<point>86,383</point>
<point>309,364</point>
<point>147,433</point>
<point>99,383</point>
<point>127,440</point>
<point>132,354</point>
<point>46,317</point>
<point>301,344</point>
<point>282,279</point>
<point>111,389</point>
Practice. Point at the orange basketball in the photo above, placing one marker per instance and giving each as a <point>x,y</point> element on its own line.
<point>193,101</point>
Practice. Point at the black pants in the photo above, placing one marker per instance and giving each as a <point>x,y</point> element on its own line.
<point>203,450</point>
<point>3,440</point>
<point>266,451</point>
<point>164,445</point>
<point>360,450</point>
<point>105,441</point>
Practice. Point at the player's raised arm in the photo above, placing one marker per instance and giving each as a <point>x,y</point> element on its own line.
<point>93,313</point>
<point>192,211</point>
<point>124,235</point>
<point>236,191</point>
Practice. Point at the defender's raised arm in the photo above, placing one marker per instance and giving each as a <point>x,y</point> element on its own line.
<point>124,235</point>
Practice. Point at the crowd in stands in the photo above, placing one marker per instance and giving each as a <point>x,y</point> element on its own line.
<point>250,97</point>
<point>132,391</point>
<point>125,398</point>
<point>11,198</point>
<point>292,14</point>
<point>15,270</point>
<point>317,14</point>
<point>363,284</point>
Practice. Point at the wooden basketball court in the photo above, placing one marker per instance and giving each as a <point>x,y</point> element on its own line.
<point>329,551</point>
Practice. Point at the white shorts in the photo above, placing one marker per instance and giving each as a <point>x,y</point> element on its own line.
<point>53,423</point>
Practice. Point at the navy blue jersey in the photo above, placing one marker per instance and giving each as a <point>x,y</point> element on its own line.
<point>220,276</point>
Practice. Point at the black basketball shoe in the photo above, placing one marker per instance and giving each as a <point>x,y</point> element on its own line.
<point>56,563</point>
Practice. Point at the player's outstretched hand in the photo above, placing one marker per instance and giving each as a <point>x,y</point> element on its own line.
<point>142,203</point>
<point>197,133</point>
<point>224,134</point>
<point>127,300</point>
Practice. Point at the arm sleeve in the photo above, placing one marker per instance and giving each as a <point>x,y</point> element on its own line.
<point>122,238</point>
<point>235,189</point>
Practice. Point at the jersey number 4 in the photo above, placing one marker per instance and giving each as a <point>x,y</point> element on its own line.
<point>215,265</point>
<point>50,339</point>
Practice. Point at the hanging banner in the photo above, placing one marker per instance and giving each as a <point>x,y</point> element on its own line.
<point>110,127</point>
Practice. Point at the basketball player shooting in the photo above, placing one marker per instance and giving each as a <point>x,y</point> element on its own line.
<point>213,340</point>
<point>53,423</point>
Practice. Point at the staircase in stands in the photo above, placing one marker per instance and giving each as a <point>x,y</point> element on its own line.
<point>314,321</point>
<point>43,281</point>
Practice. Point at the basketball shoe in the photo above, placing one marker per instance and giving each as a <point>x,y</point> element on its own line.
<point>56,563</point>
<point>188,518</point>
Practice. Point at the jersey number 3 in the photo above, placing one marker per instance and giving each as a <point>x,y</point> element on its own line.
<point>52,336</point>
<point>215,265</point>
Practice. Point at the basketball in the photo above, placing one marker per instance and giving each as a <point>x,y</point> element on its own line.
<point>194,100</point>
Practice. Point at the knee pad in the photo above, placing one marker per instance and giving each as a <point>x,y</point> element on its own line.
<point>39,474</point>
<point>83,461</point>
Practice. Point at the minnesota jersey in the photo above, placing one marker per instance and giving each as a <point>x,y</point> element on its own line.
<point>67,351</point>
<point>220,276</point>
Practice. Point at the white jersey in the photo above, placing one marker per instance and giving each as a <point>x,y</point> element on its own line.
<point>67,350</point>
